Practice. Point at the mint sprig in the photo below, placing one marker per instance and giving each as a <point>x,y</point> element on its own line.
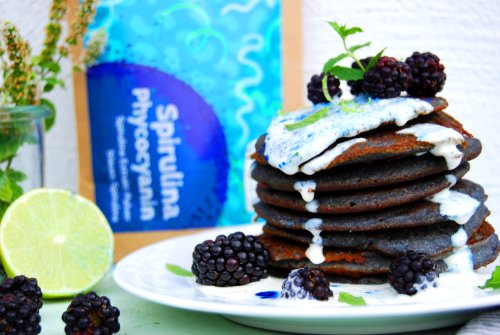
<point>313,118</point>
<point>343,72</point>
<point>177,270</point>
<point>494,281</point>
<point>351,299</point>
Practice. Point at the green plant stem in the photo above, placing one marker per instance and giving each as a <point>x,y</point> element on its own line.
<point>350,54</point>
<point>9,162</point>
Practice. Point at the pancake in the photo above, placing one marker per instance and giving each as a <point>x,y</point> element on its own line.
<point>365,200</point>
<point>434,239</point>
<point>287,255</point>
<point>367,175</point>
<point>381,144</point>
<point>420,213</point>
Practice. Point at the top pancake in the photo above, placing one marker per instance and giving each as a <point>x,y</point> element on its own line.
<point>382,143</point>
<point>365,175</point>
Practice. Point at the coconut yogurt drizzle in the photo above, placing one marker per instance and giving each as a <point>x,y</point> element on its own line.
<point>445,141</point>
<point>315,250</point>
<point>288,150</point>
<point>458,207</point>
<point>306,189</point>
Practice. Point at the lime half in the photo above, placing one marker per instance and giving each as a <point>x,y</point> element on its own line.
<point>59,238</point>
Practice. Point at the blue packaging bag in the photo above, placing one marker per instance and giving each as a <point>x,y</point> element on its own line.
<point>178,92</point>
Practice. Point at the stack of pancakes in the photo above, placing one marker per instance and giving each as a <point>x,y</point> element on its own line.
<point>384,191</point>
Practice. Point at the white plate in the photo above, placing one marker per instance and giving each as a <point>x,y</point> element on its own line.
<point>143,274</point>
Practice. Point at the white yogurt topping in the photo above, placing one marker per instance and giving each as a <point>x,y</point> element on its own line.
<point>459,239</point>
<point>306,189</point>
<point>456,206</point>
<point>460,261</point>
<point>312,207</point>
<point>467,284</point>
<point>321,162</point>
<point>315,250</point>
<point>445,141</point>
<point>288,149</point>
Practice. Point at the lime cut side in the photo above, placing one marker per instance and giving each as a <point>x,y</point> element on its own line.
<point>60,238</point>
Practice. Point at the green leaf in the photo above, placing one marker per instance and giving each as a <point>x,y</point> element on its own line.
<point>351,299</point>
<point>3,208</point>
<point>332,61</point>
<point>16,176</point>
<point>346,73</point>
<point>313,118</point>
<point>352,31</point>
<point>49,121</point>
<point>324,87</point>
<point>494,281</point>
<point>177,270</point>
<point>5,187</point>
<point>374,60</point>
<point>359,46</point>
<point>10,141</point>
<point>338,28</point>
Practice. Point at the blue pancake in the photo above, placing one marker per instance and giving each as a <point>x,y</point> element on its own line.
<point>420,213</point>
<point>365,200</point>
<point>365,175</point>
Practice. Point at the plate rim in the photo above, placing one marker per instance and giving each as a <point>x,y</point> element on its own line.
<point>490,300</point>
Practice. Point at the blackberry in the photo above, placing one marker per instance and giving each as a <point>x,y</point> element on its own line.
<point>428,74</point>
<point>25,286</point>
<point>387,79</point>
<point>19,315</point>
<point>229,261</point>
<point>357,85</point>
<point>306,283</point>
<point>91,314</point>
<point>413,272</point>
<point>315,88</point>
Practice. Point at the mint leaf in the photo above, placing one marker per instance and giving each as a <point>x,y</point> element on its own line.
<point>352,31</point>
<point>3,208</point>
<point>346,73</point>
<point>359,46</point>
<point>494,281</point>
<point>338,28</point>
<point>374,60</point>
<point>332,61</point>
<point>177,270</point>
<point>10,141</point>
<point>351,299</point>
<point>15,175</point>
<point>5,187</point>
<point>49,121</point>
<point>313,118</point>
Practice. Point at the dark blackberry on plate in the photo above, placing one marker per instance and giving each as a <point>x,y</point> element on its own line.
<point>306,283</point>
<point>412,273</point>
<point>236,259</point>
<point>315,92</point>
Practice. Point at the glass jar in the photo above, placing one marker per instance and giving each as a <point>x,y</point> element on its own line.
<point>21,151</point>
